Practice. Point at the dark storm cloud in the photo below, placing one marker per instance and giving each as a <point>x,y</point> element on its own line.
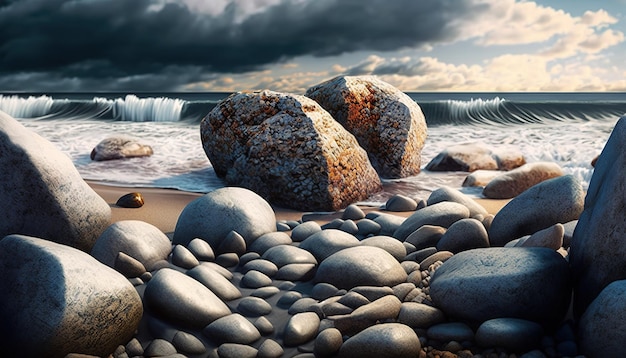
<point>116,39</point>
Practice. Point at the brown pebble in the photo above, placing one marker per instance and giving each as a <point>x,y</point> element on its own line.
<point>130,200</point>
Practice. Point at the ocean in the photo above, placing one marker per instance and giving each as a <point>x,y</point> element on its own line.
<point>567,128</point>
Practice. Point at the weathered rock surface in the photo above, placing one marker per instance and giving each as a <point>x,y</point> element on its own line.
<point>512,183</point>
<point>138,239</point>
<point>597,250</point>
<point>383,340</point>
<point>388,124</point>
<point>213,216</point>
<point>287,149</point>
<point>529,283</point>
<point>601,328</point>
<point>56,300</point>
<point>553,201</point>
<point>42,193</point>
<point>469,157</point>
<point>120,147</point>
<point>361,266</point>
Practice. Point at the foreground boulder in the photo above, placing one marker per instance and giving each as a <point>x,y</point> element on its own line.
<point>598,253</point>
<point>469,157</point>
<point>553,201</point>
<point>42,193</point>
<point>601,329</point>
<point>120,147</point>
<point>287,149</point>
<point>213,216</point>
<point>512,183</point>
<point>482,284</point>
<point>388,124</point>
<point>56,300</point>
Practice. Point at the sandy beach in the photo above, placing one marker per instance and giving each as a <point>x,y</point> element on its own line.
<point>163,206</point>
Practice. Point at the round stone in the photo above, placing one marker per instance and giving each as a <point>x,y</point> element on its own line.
<point>130,200</point>
<point>383,340</point>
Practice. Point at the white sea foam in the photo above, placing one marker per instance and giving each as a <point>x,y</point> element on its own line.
<point>179,161</point>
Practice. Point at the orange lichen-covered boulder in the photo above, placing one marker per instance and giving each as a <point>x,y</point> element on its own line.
<point>287,149</point>
<point>388,124</point>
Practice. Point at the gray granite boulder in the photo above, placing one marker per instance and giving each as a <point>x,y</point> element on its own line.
<point>361,266</point>
<point>287,149</point>
<point>42,193</point>
<point>383,340</point>
<point>530,283</point>
<point>597,250</point>
<point>213,216</point>
<point>557,200</point>
<point>469,157</point>
<point>56,300</point>
<point>602,327</point>
<point>138,239</point>
<point>119,147</point>
<point>512,183</point>
<point>388,124</point>
<point>440,214</point>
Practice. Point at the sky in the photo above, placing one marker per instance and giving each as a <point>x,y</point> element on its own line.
<point>290,45</point>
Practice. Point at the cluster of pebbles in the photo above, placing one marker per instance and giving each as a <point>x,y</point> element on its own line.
<point>358,286</point>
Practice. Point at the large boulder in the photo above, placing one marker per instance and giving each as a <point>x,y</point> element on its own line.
<point>42,193</point>
<point>469,157</point>
<point>553,201</point>
<point>213,216</point>
<point>602,328</point>
<point>529,283</point>
<point>388,124</point>
<point>120,147</point>
<point>597,250</point>
<point>56,300</point>
<point>287,149</point>
<point>512,183</point>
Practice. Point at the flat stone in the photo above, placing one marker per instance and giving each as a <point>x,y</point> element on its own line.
<point>212,216</point>
<point>301,328</point>
<point>441,214</point>
<point>201,250</point>
<point>254,307</point>
<point>138,239</point>
<point>59,300</point>
<point>269,240</point>
<point>304,230</point>
<point>261,265</point>
<point>282,255</point>
<point>511,334</point>
<point>446,193</point>
<point>462,235</point>
<point>399,203</point>
<point>550,202</point>
<point>233,328</point>
<point>512,183</point>
<point>180,299</point>
<point>426,236</point>
<point>387,243</point>
<point>255,279</point>
<point>383,340</point>
<point>361,265</point>
<point>214,281</point>
<point>536,279</point>
<point>328,342</point>
<point>419,315</point>
<point>327,242</point>
<point>182,257</point>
